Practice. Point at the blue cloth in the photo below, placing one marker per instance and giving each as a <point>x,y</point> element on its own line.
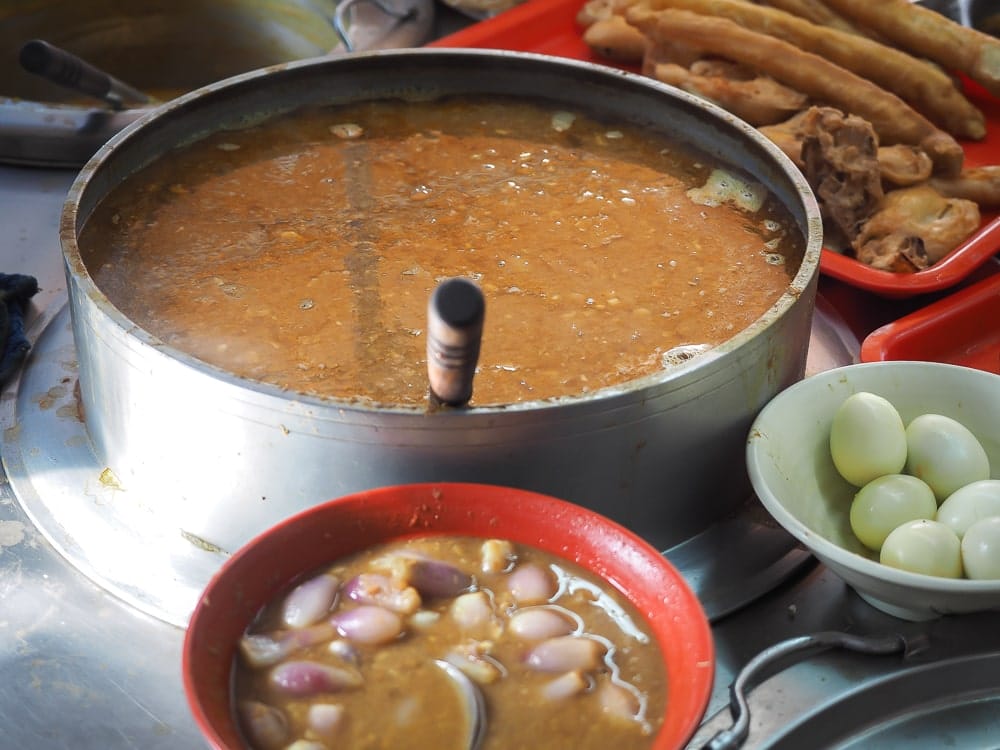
<point>16,290</point>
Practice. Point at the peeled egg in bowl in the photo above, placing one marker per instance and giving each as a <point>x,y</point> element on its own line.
<point>888,502</point>
<point>981,549</point>
<point>969,504</point>
<point>867,438</point>
<point>944,453</point>
<point>923,546</point>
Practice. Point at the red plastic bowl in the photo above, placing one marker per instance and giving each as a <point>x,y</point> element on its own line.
<point>960,329</point>
<point>269,563</point>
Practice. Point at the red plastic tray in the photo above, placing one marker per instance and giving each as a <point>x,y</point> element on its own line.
<point>962,328</point>
<point>549,27</point>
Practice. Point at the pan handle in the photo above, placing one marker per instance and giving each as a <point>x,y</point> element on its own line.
<point>891,643</point>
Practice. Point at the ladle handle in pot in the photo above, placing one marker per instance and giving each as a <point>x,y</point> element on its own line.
<point>66,69</point>
<point>455,316</point>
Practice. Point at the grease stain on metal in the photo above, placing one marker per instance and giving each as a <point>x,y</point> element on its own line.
<point>200,543</point>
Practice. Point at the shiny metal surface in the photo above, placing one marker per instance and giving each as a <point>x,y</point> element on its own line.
<point>84,670</point>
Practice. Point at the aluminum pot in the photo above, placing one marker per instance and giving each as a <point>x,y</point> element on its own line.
<point>223,458</point>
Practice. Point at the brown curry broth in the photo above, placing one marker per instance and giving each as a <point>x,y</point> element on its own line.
<point>518,717</point>
<point>289,255</point>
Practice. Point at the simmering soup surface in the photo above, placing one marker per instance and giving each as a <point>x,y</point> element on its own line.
<point>348,658</point>
<point>302,252</point>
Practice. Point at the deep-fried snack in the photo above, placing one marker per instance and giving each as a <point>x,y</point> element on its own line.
<point>758,100</point>
<point>840,162</point>
<point>788,136</point>
<point>899,165</point>
<point>664,51</point>
<point>897,252</point>
<point>824,82</point>
<point>979,184</point>
<point>931,35</point>
<point>902,165</point>
<point>593,11</point>
<point>941,223</point>
<point>817,12</point>
<point>616,39</point>
<point>924,86</point>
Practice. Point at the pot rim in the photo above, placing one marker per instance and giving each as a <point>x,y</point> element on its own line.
<point>677,375</point>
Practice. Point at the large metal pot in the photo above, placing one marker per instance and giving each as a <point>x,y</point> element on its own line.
<point>223,458</point>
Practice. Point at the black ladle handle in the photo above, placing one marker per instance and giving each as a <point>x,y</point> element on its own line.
<point>455,316</point>
<point>66,69</point>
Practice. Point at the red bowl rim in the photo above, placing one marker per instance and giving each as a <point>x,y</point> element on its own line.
<point>253,575</point>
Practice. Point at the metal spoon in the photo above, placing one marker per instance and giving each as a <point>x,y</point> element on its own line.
<point>472,698</point>
<point>58,66</point>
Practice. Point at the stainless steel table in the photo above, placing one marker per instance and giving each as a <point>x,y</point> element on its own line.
<point>82,669</point>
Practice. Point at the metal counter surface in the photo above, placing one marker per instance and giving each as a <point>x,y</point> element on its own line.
<point>82,669</point>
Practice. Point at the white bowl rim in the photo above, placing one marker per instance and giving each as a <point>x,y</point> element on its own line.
<point>823,547</point>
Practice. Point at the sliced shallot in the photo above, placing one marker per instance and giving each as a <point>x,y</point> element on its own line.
<point>618,701</point>
<point>472,611</point>
<point>566,686</point>
<point>308,602</point>
<point>264,724</point>
<point>540,623</point>
<point>307,678</point>
<point>436,579</point>
<point>531,584</point>
<point>368,624</point>
<point>265,649</point>
<point>566,653</point>
<point>326,719</point>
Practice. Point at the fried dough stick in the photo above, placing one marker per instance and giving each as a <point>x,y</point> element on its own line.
<point>893,119</point>
<point>929,34</point>
<point>817,12</point>
<point>925,87</point>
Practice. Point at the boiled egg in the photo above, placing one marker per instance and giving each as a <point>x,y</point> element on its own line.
<point>970,503</point>
<point>981,549</point>
<point>867,438</point>
<point>887,502</point>
<point>944,453</point>
<point>923,546</point>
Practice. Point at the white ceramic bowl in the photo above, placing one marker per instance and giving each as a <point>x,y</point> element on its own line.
<point>788,459</point>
